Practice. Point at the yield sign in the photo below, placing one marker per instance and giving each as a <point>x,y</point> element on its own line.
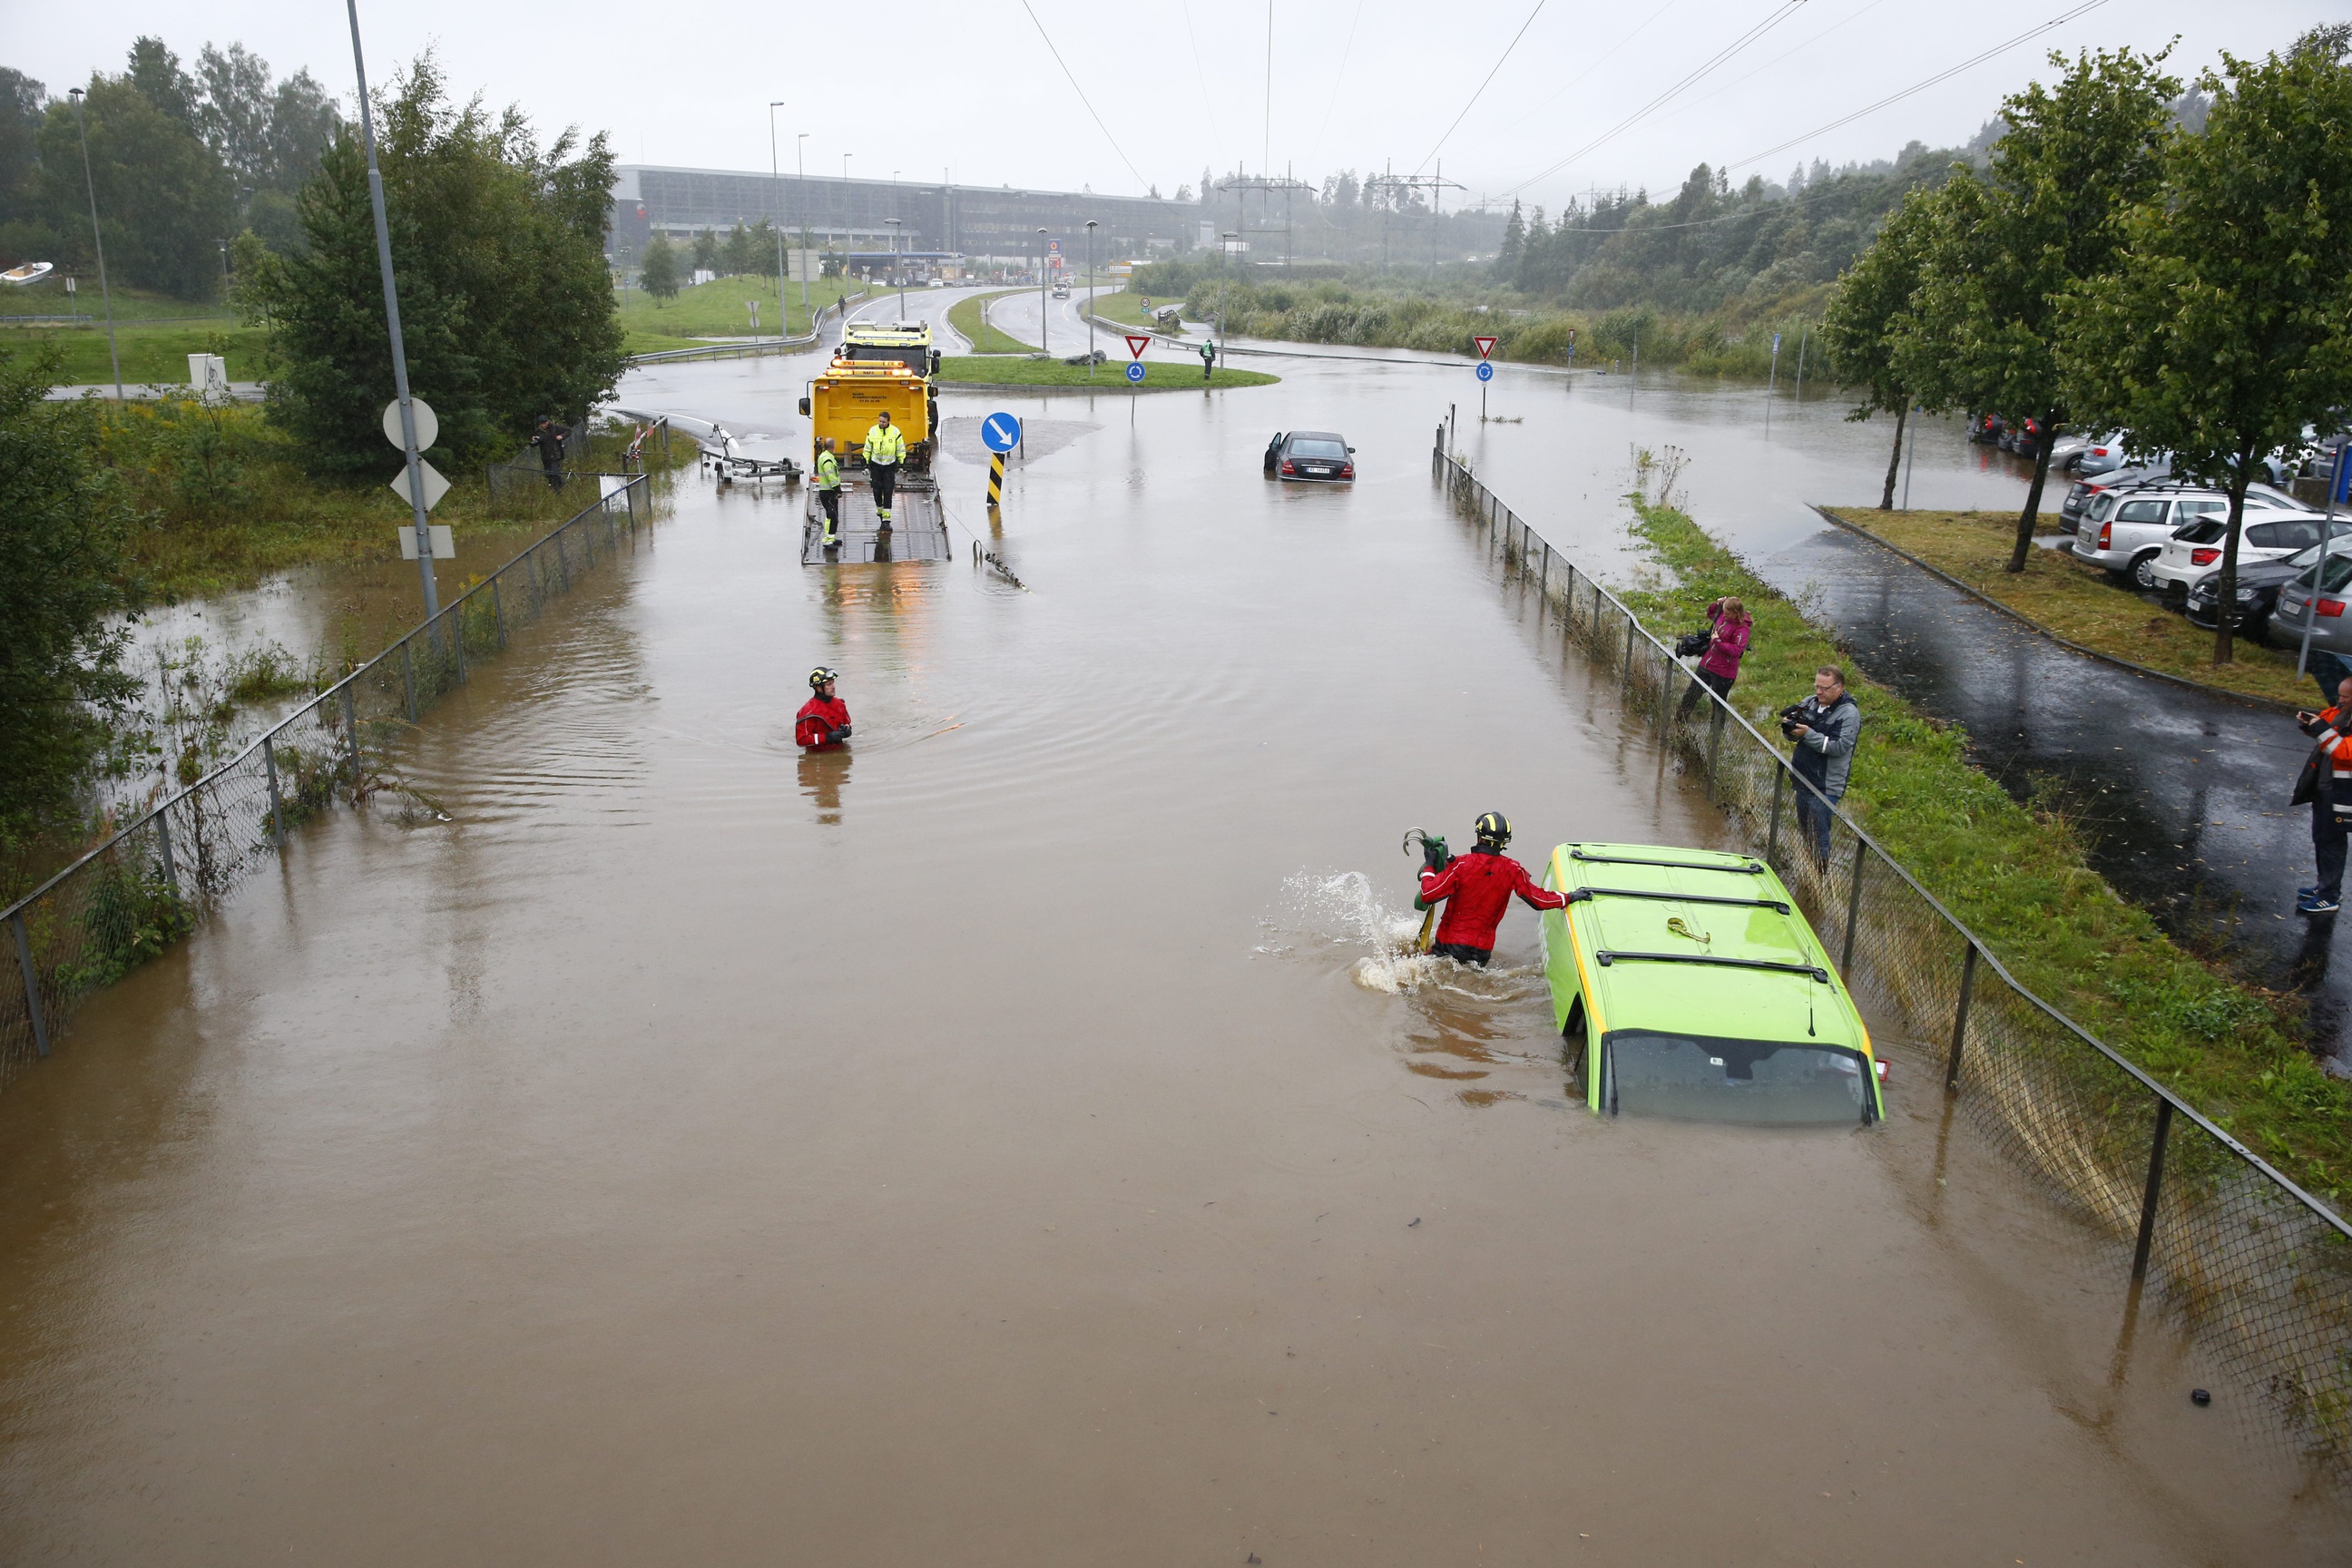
<point>1486,345</point>
<point>1135,345</point>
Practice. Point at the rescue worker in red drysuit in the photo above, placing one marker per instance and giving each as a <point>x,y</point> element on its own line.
<point>823,718</point>
<point>1476,890</point>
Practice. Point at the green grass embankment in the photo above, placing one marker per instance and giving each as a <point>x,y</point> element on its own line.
<point>2019,877</point>
<point>970,318</point>
<point>1127,309</point>
<point>153,353</point>
<point>1013,370</point>
<point>720,309</point>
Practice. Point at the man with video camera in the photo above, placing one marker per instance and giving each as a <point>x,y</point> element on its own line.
<point>1824,727</point>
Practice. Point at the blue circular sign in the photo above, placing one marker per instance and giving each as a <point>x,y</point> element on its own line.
<point>999,432</point>
<point>1135,370</point>
<point>1485,371</point>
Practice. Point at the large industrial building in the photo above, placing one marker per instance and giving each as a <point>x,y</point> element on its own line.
<point>985,225</point>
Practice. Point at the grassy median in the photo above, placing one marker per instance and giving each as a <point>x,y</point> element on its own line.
<point>2019,877</point>
<point>2077,602</point>
<point>970,317</point>
<point>1021,370</point>
<point>720,308</point>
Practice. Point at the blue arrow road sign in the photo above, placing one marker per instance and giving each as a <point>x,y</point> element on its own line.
<point>1135,370</point>
<point>1485,371</point>
<point>999,432</point>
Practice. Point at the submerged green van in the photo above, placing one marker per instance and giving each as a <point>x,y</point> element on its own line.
<point>1700,991</point>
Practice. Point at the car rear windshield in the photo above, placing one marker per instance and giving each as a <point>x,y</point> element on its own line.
<point>2204,530</point>
<point>1701,1077</point>
<point>1330,451</point>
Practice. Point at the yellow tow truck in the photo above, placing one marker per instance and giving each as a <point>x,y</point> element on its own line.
<point>878,370</point>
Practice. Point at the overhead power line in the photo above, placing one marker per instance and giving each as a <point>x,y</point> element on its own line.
<point>1115,147</point>
<point>2034,31</point>
<point>1598,62</point>
<point>1482,86</point>
<point>1348,48</point>
<point>1788,9</point>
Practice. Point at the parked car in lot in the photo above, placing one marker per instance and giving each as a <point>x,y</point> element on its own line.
<point>1986,428</point>
<point>2259,583</point>
<point>2195,548</point>
<point>2024,436</point>
<point>1310,455</point>
<point>2123,530</point>
<point>2331,628</point>
<point>2088,454</point>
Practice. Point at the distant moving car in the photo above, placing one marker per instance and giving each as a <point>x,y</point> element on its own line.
<point>2259,583</point>
<point>937,283</point>
<point>1309,455</point>
<point>1061,290</point>
<point>2195,548</point>
<point>1699,990</point>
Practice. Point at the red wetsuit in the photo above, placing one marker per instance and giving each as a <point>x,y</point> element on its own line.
<point>1476,890</point>
<point>819,718</point>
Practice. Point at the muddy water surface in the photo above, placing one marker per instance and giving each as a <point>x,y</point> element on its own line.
<point>1008,1142</point>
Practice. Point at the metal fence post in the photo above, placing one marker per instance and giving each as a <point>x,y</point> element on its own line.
<point>408,676</point>
<point>457,636</point>
<point>1624,686</point>
<point>1714,742</point>
<point>163,844</point>
<point>2148,1200</point>
<point>32,986</point>
<point>1853,902</point>
<point>498,610</point>
<point>277,811</point>
<point>1772,825</point>
<point>1961,1019</point>
<point>351,731</point>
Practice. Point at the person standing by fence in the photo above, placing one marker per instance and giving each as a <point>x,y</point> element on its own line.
<point>1825,727</point>
<point>551,438</point>
<point>1730,626</point>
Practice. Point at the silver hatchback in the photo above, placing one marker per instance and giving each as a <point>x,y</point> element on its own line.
<point>2123,530</point>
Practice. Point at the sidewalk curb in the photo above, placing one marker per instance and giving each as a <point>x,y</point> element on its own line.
<point>2272,703</point>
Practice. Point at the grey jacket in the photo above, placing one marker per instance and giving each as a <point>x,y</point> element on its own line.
<point>1824,755</point>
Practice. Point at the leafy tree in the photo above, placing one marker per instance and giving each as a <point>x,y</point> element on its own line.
<point>164,199</point>
<point>705,252</point>
<point>1514,243</point>
<point>20,121</point>
<point>2226,326</point>
<point>658,270</point>
<point>155,72</point>
<point>1863,328</point>
<point>506,300</point>
<point>2047,214</point>
<point>741,253</point>
<point>62,526</point>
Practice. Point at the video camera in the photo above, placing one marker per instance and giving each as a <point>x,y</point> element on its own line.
<point>1790,717</point>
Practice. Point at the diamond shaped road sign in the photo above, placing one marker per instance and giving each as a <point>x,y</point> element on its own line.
<point>435,487</point>
<point>1486,345</point>
<point>1135,345</point>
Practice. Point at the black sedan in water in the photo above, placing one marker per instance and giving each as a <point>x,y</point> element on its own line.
<point>1309,455</point>
<point>2259,583</point>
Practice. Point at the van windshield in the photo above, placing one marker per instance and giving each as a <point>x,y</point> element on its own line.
<point>1703,1078</point>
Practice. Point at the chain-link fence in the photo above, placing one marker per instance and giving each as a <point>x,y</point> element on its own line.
<point>2257,1268</point>
<point>152,882</point>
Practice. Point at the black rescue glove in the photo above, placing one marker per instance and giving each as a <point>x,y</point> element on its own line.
<point>838,735</point>
<point>1433,855</point>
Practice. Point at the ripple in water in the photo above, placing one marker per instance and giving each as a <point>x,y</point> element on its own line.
<point>1338,912</point>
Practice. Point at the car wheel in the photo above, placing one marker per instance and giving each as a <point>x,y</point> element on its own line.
<point>2143,572</point>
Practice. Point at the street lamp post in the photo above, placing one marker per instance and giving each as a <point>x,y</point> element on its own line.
<point>1042,345</point>
<point>1225,294</point>
<point>800,176</point>
<point>414,459</point>
<point>99,241</point>
<point>898,267</point>
<point>1090,299</point>
<point>777,179</point>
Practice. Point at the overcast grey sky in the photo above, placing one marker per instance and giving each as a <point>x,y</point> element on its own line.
<point>971,89</point>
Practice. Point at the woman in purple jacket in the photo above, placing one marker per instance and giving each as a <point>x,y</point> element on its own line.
<point>1718,667</point>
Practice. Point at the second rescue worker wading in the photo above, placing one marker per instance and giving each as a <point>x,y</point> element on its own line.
<point>1476,890</point>
<point>886,449</point>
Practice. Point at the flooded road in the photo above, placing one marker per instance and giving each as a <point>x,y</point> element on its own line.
<point>1008,1142</point>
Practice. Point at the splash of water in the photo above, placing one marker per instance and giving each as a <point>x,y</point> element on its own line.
<point>1342,910</point>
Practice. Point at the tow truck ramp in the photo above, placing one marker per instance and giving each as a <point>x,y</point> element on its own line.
<point>918,531</point>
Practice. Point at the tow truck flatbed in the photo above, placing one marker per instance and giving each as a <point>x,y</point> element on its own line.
<point>919,530</point>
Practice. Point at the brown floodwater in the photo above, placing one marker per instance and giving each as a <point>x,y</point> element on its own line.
<point>1010,1141</point>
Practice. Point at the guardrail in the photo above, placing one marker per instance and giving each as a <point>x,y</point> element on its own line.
<point>154,881</point>
<point>2257,1267</point>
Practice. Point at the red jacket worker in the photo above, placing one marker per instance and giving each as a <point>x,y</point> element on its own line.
<point>823,718</point>
<point>1476,890</point>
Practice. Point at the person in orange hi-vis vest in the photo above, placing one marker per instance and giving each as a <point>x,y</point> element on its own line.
<point>2329,775</point>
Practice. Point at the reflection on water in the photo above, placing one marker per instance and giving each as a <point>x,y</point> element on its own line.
<point>824,772</point>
